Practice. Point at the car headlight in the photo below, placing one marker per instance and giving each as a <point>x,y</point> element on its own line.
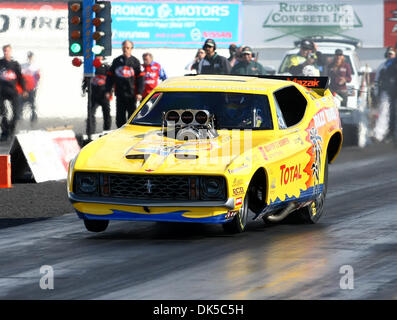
<point>87,183</point>
<point>213,188</point>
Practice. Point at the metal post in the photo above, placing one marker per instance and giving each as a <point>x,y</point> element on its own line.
<point>89,108</point>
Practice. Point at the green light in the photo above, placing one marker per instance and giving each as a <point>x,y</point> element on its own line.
<point>97,49</point>
<point>75,47</point>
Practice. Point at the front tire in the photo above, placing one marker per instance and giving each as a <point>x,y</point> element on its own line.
<point>239,222</point>
<point>96,225</point>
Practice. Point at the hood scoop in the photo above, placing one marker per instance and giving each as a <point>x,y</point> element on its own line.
<point>137,156</point>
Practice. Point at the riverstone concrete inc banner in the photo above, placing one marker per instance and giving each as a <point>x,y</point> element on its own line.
<point>279,23</point>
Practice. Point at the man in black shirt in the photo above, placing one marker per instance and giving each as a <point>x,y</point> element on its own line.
<point>213,63</point>
<point>10,77</point>
<point>98,97</point>
<point>127,76</point>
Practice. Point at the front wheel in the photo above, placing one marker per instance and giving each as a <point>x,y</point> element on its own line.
<point>239,222</point>
<point>96,225</point>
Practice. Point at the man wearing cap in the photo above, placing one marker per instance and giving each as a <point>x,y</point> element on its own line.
<point>213,63</point>
<point>247,66</point>
<point>339,74</point>
<point>307,56</point>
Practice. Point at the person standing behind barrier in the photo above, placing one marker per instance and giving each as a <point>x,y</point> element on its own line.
<point>31,75</point>
<point>213,63</point>
<point>10,77</point>
<point>126,75</point>
<point>247,66</point>
<point>390,85</point>
<point>153,73</point>
<point>381,128</point>
<point>98,97</point>
<point>193,66</point>
<point>340,74</point>
<point>308,57</point>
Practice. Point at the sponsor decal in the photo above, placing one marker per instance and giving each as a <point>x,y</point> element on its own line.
<point>244,166</point>
<point>290,174</point>
<point>8,75</point>
<point>239,201</point>
<point>263,153</point>
<point>125,72</point>
<point>306,83</point>
<point>237,182</point>
<point>325,116</point>
<point>231,214</point>
<point>238,191</point>
<point>276,144</point>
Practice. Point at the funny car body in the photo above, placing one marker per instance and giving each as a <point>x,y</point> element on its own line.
<point>212,149</point>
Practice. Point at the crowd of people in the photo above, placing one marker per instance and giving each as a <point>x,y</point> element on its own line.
<point>18,85</point>
<point>131,81</point>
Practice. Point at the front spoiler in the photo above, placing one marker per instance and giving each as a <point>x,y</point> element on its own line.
<point>228,204</point>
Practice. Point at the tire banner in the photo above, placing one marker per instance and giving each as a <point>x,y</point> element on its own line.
<point>390,23</point>
<point>43,155</point>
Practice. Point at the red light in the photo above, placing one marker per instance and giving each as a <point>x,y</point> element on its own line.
<point>97,63</point>
<point>75,7</point>
<point>75,20</point>
<point>98,7</point>
<point>76,34</point>
<point>98,35</point>
<point>77,62</point>
<point>97,21</point>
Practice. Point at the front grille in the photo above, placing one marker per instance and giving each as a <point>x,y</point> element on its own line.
<point>149,187</point>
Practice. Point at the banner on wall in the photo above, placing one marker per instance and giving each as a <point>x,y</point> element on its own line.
<point>34,24</point>
<point>279,23</point>
<point>176,24</point>
<point>390,23</point>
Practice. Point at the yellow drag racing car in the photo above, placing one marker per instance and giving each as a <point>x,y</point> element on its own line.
<point>213,149</point>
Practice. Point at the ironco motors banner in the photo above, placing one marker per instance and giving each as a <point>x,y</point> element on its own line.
<point>183,24</point>
<point>279,23</point>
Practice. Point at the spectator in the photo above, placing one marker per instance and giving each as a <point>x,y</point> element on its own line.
<point>381,128</point>
<point>126,75</point>
<point>339,73</point>
<point>248,66</point>
<point>193,66</point>
<point>153,73</point>
<point>31,75</point>
<point>10,77</point>
<point>307,56</point>
<point>389,84</point>
<point>233,55</point>
<point>98,97</point>
<point>213,63</point>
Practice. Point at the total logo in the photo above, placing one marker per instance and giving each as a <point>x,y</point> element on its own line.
<point>290,174</point>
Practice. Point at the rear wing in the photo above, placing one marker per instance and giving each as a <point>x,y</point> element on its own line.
<point>318,84</point>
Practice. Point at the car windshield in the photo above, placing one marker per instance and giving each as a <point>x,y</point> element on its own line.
<point>230,110</point>
<point>327,57</point>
